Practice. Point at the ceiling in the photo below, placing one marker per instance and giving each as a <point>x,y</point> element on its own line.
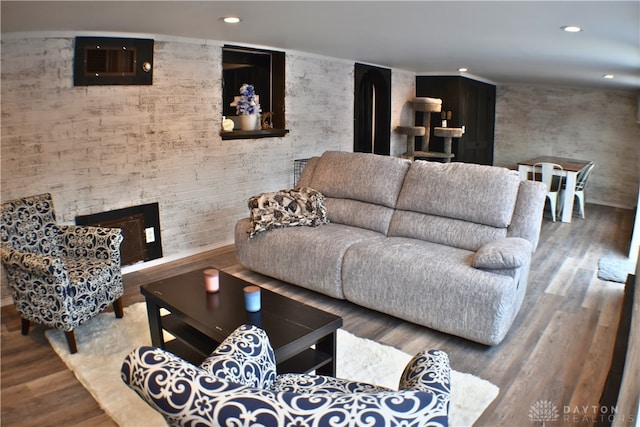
<point>498,41</point>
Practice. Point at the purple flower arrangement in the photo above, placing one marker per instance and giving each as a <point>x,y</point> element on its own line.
<point>248,101</point>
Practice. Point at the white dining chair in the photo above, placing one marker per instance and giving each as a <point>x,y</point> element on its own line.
<point>551,174</point>
<point>581,184</point>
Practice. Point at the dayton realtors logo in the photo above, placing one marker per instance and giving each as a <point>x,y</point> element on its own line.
<point>546,411</point>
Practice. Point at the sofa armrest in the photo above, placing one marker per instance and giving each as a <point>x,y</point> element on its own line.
<point>526,220</point>
<point>181,392</point>
<point>429,371</point>
<point>34,264</point>
<point>244,357</point>
<point>510,252</point>
<point>82,241</point>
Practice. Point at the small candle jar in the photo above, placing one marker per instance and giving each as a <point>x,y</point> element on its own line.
<point>252,298</point>
<point>211,280</point>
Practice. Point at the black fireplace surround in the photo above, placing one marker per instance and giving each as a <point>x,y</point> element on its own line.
<point>140,227</point>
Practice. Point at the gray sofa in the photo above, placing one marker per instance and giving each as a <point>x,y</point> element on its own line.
<point>444,245</point>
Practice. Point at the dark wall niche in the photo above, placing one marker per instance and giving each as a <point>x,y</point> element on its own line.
<point>264,69</point>
<point>112,61</point>
<point>372,110</point>
<point>140,227</point>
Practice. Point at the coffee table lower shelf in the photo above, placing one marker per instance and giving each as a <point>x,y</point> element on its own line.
<point>194,346</point>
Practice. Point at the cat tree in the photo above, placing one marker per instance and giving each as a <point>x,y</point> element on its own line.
<point>427,106</point>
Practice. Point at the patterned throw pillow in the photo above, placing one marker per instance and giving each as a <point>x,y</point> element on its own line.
<point>286,208</point>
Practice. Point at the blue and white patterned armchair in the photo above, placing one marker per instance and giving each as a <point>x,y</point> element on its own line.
<point>238,385</point>
<point>59,275</point>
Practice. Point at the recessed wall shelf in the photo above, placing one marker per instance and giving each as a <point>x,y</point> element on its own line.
<point>254,134</point>
<point>263,69</point>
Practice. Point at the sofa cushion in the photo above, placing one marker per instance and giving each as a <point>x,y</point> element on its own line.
<point>310,383</point>
<point>510,252</point>
<point>445,231</point>
<point>432,285</point>
<point>286,208</point>
<point>476,193</point>
<point>359,214</point>
<point>307,256</point>
<point>360,176</point>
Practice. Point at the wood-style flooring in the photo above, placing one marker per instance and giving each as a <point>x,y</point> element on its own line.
<point>558,350</point>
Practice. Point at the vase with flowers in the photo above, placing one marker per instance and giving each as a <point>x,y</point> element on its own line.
<point>248,107</point>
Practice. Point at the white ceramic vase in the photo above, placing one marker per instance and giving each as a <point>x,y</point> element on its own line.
<point>249,121</point>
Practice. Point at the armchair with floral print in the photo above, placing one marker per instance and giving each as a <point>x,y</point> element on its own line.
<point>238,385</point>
<point>59,276</point>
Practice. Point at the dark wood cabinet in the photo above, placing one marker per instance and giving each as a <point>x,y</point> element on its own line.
<point>473,105</point>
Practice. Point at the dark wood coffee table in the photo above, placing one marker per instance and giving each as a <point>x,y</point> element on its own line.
<point>200,321</point>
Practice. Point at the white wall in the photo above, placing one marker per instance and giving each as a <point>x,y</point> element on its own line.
<point>102,148</point>
<point>583,123</point>
<point>99,148</point>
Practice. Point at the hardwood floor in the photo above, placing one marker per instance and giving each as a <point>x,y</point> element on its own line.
<point>558,350</point>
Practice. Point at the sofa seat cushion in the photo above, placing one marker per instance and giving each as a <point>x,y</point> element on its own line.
<point>475,193</point>
<point>432,285</point>
<point>310,257</point>
<point>308,383</point>
<point>286,208</point>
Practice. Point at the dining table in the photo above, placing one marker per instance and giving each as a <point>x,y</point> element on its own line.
<point>570,170</point>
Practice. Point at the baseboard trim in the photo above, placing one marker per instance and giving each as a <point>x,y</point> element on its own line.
<point>165,259</point>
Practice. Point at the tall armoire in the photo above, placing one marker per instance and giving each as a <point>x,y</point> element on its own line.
<point>472,104</point>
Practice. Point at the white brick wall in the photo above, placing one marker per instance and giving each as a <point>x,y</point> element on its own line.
<point>583,123</point>
<point>102,148</point>
<point>99,148</point>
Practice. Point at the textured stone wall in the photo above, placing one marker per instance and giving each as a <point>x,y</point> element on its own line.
<point>403,84</point>
<point>590,124</point>
<point>99,148</point>
<point>102,148</point>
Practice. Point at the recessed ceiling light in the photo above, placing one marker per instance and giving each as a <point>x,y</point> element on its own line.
<point>608,76</point>
<point>231,19</point>
<point>571,28</point>
<point>463,70</point>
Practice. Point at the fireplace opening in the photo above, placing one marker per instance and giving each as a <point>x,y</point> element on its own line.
<point>140,227</point>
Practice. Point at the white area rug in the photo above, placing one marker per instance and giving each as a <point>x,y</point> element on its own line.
<point>615,269</point>
<point>105,341</point>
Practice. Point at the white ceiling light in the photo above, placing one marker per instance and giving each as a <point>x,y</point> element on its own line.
<point>608,76</point>
<point>463,70</point>
<point>231,19</point>
<point>571,28</point>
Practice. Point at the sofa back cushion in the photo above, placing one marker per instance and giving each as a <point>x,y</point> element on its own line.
<point>457,204</point>
<point>360,189</point>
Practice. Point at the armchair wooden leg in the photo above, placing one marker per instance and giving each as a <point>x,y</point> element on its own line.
<point>71,340</point>
<point>117,307</point>
<point>25,326</point>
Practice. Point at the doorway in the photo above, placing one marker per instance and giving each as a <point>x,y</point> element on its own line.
<point>372,110</point>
